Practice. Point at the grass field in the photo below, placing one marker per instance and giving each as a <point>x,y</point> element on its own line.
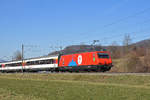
<point>73,87</point>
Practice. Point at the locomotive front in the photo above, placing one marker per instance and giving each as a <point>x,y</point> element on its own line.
<point>104,60</point>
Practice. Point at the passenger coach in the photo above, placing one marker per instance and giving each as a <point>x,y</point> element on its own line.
<point>33,64</point>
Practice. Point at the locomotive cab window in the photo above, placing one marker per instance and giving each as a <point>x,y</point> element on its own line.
<point>103,55</point>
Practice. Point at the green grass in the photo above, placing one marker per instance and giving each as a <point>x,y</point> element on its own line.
<point>73,87</point>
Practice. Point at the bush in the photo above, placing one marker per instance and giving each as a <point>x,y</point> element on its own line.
<point>146,61</point>
<point>130,63</point>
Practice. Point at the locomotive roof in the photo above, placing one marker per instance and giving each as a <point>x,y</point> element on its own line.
<point>103,50</point>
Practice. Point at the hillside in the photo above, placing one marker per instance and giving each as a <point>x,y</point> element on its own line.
<point>83,48</point>
<point>77,48</point>
<point>143,43</point>
<point>1,60</point>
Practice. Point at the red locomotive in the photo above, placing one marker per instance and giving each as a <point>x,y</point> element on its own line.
<point>86,61</point>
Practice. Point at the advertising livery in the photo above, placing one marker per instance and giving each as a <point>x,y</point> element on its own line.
<point>97,60</point>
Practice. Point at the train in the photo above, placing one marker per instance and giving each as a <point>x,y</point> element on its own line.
<point>99,61</point>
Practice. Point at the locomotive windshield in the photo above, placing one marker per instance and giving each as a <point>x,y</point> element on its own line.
<point>103,55</point>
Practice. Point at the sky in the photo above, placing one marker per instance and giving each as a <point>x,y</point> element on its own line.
<point>44,25</point>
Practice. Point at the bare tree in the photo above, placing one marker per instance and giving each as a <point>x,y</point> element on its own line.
<point>127,40</point>
<point>126,44</point>
<point>147,60</point>
<point>82,46</point>
<point>114,49</point>
<point>17,55</point>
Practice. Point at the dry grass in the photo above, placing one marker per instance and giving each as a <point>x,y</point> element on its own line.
<point>73,87</point>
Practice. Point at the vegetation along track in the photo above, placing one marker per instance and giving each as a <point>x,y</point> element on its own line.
<point>70,86</point>
<point>87,73</point>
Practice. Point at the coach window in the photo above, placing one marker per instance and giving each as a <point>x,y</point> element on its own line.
<point>14,64</point>
<point>48,61</point>
<point>31,62</point>
<point>0,66</point>
<point>41,61</point>
<point>51,61</point>
<point>28,63</point>
<point>8,65</point>
<point>54,61</point>
<point>44,61</point>
<point>20,64</point>
<point>36,62</point>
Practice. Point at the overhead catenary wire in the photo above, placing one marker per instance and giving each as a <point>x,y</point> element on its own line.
<point>127,17</point>
<point>116,22</point>
<point>111,37</point>
<point>120,20</point>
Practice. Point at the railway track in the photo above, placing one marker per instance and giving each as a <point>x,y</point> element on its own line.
<point>111,74</point>
<point>85,73</point>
